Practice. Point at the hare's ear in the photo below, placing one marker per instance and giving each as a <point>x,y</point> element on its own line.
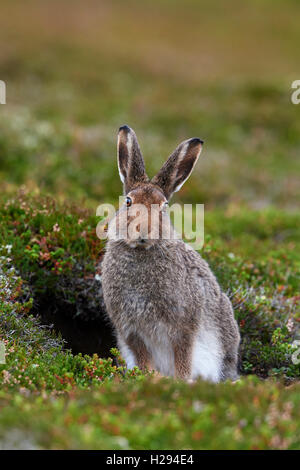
<point>130,160</point>
<point>178,167</point>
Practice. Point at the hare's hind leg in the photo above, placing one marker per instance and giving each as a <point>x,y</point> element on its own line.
<point>134,351</point>
<point>231,340</point>
<point>207,356</point>
<point>230,367</point>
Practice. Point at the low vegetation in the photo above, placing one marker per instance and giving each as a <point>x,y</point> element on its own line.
<point>70,85</point>
<point>94,403</point>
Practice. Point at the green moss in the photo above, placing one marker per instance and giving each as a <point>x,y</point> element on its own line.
<point>147,414</point>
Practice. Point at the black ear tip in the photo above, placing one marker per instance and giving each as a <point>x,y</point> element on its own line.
<point>196,141</point>
<point>124,128</point>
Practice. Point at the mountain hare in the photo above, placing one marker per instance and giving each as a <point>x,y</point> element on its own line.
<point>165,303</point>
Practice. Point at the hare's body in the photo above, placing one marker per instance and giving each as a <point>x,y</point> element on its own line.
<point>177,300</point>
<point>165,303</point>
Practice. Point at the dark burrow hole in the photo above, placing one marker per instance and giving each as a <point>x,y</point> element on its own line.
<point>88,333</point>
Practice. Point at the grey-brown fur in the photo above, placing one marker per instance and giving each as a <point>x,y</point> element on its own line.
<point>161,296</point>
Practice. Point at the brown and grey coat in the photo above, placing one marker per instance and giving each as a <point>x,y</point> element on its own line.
<point>166,305</point>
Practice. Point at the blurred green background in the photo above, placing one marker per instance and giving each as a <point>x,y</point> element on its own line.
<point>77,70</point>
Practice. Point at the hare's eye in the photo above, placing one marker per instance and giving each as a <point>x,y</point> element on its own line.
<point>165,205</point>
<point>128,201</point>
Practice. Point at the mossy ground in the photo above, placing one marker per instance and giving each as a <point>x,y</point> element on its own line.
<point>68,93</point>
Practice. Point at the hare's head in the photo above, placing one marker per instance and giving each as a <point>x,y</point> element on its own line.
<point>143,219</point>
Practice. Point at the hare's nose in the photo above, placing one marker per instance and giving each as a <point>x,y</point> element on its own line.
<point>141,240</point>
